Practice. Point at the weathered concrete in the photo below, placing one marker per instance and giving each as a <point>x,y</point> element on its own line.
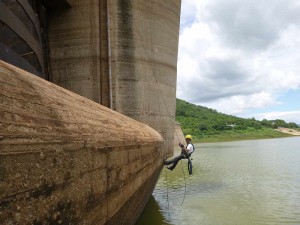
<point>65,159</point>
<point>144,43</point>
<point>121,54</point>
<point>75,56</point>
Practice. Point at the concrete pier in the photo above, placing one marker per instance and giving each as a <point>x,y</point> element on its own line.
<point>121,54</point>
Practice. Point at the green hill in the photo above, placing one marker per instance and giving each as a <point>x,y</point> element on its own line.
<point>208,125</point>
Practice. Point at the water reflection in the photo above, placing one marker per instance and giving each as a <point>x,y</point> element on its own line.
<point>249,182</point>
<point>154,210</point>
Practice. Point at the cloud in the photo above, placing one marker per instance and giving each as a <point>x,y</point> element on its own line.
<point>288,116</point>
<point>240,103</point>
<point>188,13</point>
<point>251,24</point>
<point>237,55</point>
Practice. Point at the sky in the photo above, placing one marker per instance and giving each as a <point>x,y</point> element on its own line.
<point>241,57</point>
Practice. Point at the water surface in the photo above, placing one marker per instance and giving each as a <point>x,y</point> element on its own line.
<point>246,182</point>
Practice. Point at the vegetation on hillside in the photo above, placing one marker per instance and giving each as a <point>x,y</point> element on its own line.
<point>207,124</point>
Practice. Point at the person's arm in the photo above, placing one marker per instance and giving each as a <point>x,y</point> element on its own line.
<point>183,149</point>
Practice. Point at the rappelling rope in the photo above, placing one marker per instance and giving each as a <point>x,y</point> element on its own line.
<point>180,162</point>
<point>168,193</point>
<point>165,154</point>
<point>154,75</point>
<point>184,183</point>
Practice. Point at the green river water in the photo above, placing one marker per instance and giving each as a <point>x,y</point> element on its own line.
<point>253,182</point>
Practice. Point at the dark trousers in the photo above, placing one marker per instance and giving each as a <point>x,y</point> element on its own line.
<point>190,166</point>
<point>175,160</point>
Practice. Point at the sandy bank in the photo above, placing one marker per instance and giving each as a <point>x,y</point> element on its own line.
<point>288,131</point>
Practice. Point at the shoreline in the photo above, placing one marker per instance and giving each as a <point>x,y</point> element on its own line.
<point>278,134</point>
<point>289,131</point>
<point>240,139</point>
<point>265,134</point>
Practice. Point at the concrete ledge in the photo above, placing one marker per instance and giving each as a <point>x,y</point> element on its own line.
<point>65,159</point>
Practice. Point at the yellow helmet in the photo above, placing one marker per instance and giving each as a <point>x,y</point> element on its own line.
<point>188,136</point>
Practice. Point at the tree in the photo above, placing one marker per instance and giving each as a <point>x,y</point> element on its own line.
<point>203,127</point>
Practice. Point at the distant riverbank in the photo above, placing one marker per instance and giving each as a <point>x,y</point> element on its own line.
<point>289,131</point>
<point>247,135</point>
<point>208,125</point>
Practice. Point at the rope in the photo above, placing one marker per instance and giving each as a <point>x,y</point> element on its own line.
<point>169,114</point>
<point>168,194</point>
<point>184,183</point>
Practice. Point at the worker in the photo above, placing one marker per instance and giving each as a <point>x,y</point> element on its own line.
<point>185,154</point>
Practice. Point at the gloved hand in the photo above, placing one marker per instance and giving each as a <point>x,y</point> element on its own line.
<point>181,145</point>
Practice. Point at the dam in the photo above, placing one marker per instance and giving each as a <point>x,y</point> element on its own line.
<point>87,107</point>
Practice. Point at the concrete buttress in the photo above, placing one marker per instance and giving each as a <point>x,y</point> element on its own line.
<point>65,159</point>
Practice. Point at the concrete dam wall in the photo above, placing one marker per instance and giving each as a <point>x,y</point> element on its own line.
<point>121,54</point>
<point>95,157</point>
<point>66,158</point>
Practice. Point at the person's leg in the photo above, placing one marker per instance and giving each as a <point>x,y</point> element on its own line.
<point>168,162</point>
<point>190,166</point>
<point>175,161</point>
<point>171,161</point>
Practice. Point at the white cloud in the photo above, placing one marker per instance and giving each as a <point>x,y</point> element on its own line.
<point>236,55</point>
<point>288,116</point>
<point>239,103</point>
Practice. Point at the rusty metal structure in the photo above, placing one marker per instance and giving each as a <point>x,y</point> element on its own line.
<point>64,158</point>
